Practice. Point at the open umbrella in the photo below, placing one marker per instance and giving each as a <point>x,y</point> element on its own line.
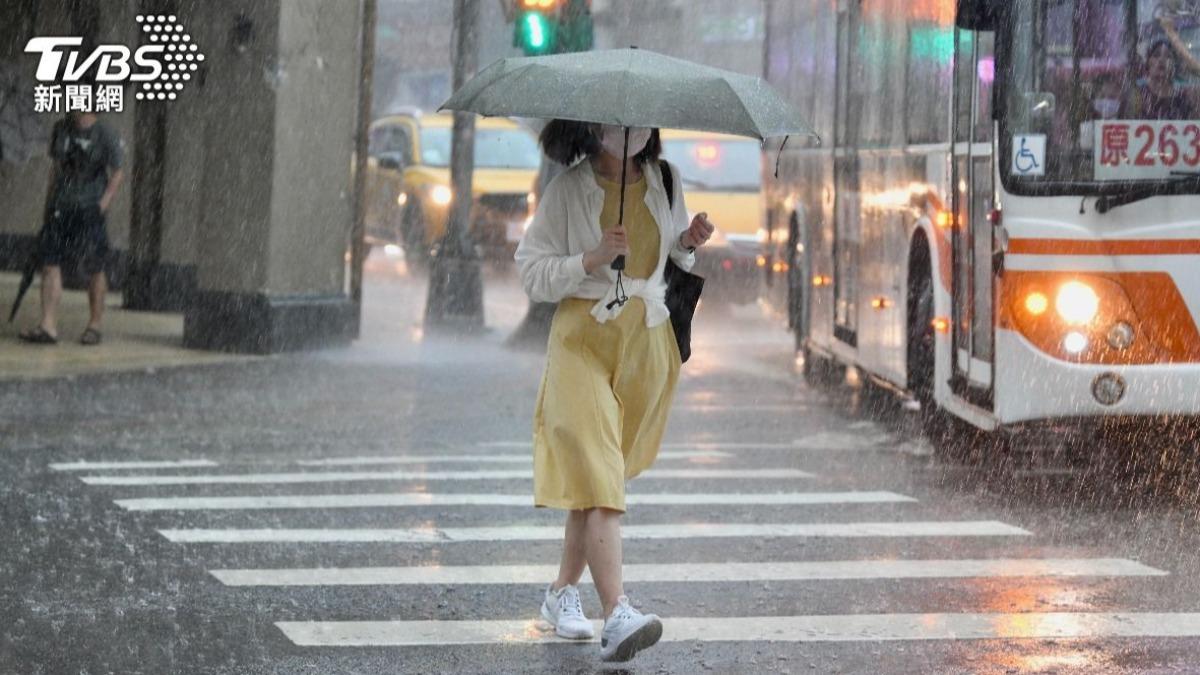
<point>630,88</point>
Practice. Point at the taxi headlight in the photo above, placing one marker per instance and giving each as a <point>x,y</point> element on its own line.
<point>441,195</point>
<point>1076,302</point>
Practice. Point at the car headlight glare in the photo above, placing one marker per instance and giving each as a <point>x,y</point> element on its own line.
<point>1077,303</point>
<point>441,195</point>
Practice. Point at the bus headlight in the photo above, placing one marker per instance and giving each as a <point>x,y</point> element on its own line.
<point>1075,342</point>
<point>1077,303</point>
<point>1120,336</point>
<point>441,195</point>
<point>1037,303</point>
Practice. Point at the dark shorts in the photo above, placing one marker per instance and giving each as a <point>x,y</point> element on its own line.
<point>75,236</point>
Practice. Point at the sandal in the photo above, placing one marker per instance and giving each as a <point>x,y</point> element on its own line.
<point>90,337</point>
<point>38,336</point>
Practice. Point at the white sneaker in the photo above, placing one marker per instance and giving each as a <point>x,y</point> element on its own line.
<point>564,611</point>
<point>627,632</point>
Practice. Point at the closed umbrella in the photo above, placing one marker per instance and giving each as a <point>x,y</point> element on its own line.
<point>27,274</point>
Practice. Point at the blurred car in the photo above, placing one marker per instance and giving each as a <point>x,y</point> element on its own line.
<point>408,182</point>
<point>721,175</point>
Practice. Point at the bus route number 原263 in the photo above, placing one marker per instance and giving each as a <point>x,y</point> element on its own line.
<point>1145,149</point>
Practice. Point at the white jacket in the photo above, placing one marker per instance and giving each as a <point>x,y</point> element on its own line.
<point>567,224</point>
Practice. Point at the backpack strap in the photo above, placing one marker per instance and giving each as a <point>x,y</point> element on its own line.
<point>668,182</point>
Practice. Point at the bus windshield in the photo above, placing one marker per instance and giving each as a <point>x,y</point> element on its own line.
<point>712,165</point>
<point>1101,92</point>
<point>494,148</point>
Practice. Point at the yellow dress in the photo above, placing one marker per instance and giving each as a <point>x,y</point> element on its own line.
<point>607,388</point>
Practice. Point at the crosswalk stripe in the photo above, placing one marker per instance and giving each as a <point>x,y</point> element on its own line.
<point>431,499</point>
<point>826,628</point>
<point>836,440</point>
<point>350,476</point>
<point>986,528</point>
<point>525,458</point>
<point>98,466</point>
<point>703,445</point>
<point>694,572</point>
<point>719,408</point>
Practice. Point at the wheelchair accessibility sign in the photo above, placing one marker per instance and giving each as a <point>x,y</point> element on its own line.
<point>1029,155</point>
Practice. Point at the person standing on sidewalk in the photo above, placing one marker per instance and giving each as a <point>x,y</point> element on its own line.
<point>611,366</point>
<point>85,174</point>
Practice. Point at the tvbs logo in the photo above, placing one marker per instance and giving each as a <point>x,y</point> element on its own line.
<point>161,68</point>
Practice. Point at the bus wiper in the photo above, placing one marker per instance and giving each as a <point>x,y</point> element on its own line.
<point>1107,203</point>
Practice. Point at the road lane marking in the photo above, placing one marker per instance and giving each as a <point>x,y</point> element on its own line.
<point>694,572</point>
<point>524,458</point>
<point>432,499</point>
<point>351,476</point>
<point>825,628</point>
<point>99,466</point>
<point>984,528</point>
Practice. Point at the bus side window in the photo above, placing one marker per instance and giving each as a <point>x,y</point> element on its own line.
<point>930,81</point>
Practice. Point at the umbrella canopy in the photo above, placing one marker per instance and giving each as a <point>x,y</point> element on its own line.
<point>630,88</point>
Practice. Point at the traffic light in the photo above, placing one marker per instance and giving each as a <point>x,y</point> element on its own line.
<point>551,26</point>
<point>536,27</point>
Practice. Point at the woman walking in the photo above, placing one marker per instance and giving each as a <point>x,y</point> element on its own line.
<point>611,365</point>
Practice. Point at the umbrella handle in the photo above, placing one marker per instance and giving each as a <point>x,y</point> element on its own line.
<point>619,263</point>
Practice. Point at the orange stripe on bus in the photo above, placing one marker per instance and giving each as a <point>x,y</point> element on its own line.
<point>1104,247</point>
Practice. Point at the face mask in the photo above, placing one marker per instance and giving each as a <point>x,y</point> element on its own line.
<point>1107,107</point>
<point>612,139</point>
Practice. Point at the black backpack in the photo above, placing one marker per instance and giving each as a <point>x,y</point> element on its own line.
<point>683,288</point>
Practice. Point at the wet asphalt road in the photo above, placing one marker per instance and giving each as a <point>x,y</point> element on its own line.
<point>90,586</point>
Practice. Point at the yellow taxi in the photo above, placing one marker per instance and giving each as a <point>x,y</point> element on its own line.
<point>722,175</point>
<point>408,182</point>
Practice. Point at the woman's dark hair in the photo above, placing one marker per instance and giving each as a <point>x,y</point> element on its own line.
<point>564,141</point>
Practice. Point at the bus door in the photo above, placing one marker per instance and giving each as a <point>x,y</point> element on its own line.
<point>847,214</point>
<point>972,237</point>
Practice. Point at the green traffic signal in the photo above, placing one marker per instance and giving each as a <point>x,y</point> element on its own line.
<point>534,33</point>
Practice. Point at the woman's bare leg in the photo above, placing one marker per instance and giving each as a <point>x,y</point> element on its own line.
<point>574,555</point>
<point>604,555</point>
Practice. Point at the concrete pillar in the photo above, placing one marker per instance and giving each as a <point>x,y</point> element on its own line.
<point>279,98</point>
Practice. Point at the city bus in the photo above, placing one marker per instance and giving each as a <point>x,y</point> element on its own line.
<point>1003,219</point>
